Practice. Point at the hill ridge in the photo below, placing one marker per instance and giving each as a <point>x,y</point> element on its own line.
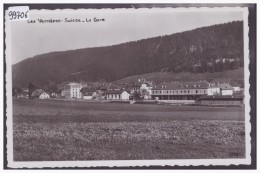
<point>207,49</point>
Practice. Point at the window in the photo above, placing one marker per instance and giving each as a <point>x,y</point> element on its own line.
<point>196,91</point>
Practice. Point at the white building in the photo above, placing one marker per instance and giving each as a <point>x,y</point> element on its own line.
<point>213,90</point>
<point>72,90</point>
<point>232,83</point>
<point>87,97</point>
<point>221,89</point>
<point>117,95</point>
<point>146,90</point>
<point>226,90</point>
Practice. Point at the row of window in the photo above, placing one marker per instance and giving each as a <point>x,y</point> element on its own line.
<point>179,91</point>
<point>114,96</point>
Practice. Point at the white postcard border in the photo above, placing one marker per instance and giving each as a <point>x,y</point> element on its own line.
<point>126,163</point>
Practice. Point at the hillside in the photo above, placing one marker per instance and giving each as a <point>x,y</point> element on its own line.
<point>159,77</point>
<point>209,49</point>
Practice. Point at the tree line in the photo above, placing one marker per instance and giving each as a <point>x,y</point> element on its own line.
<point>209,49</point>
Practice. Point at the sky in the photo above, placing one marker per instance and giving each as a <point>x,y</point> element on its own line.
<point>120,26</point>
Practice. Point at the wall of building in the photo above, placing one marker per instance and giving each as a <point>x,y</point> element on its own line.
<point>180,92</point>
<point>72,90</point>
<point>213,91</point>
<point>226,92</point>
<point>125,95</point>
<point>75,90</point>
<point>236,89</point>
<point>113,96</point>
<point>87,97</point>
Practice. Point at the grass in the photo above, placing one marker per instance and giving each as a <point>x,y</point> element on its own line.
<point>55,130</point>
<point>159,77</point>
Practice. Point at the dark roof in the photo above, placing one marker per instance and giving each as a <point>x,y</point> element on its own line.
<point>219,97</point>
<point>114,91</point>
<point>88,90</point>
<point>37,92</point>
<point>225,81</point>
<point>182,85</point>
<point>225,86</point>
<point>24,93</point>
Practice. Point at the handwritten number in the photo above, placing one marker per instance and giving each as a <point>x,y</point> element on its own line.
<point>10,15</point>
<point>18,15</point>
<point>26,14</point>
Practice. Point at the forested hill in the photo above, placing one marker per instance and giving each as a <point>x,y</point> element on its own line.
<point>208,49</point>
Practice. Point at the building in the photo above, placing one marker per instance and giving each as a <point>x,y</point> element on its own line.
<point>72,90</point>
<point>146,90</point>
<point>221,89</point>
<point>142,88</point>
<point>180,90</point>
<point>213,90</point>
<point>23,94</point>
<point>88,93</point>
<point>226,90</point>
<point>236,87</point>
<point>40,94</point>
<point>117,95</point>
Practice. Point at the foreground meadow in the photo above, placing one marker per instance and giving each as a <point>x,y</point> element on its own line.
<point>66,130</point>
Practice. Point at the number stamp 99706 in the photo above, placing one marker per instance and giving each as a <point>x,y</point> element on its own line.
<point>18,13</point>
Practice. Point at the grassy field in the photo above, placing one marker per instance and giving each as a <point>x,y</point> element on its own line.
<point>71,130</point>
<point>159,77</point>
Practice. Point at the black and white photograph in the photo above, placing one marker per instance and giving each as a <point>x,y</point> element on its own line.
<point>127,87</point>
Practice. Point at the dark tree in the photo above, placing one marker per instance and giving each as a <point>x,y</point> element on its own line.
<point>31,88</point>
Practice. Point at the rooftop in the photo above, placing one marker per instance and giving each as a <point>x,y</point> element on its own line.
<point>182,85</point>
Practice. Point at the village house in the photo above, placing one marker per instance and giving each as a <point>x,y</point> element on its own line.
<point>88,93</point>
<point>180,90</point>
<point>142,88</point>
<point>236,87</point>
<point>23,94</point>
<point>40,94</point>
<point>221,89</point>
<point>72,90</point>
<point>117,95</point>
<point>226,90</point>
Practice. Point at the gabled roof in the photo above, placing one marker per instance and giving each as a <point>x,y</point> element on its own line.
<point>225,86</point>
<point>37,92</point>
